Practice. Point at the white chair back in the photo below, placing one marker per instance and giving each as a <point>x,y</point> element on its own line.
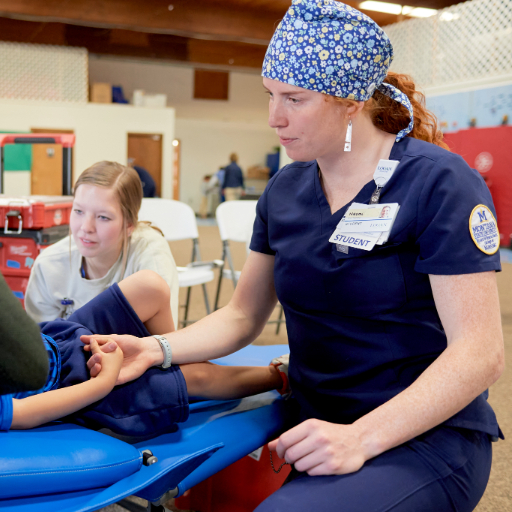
<point>236,219</point>
<point>177,220</point>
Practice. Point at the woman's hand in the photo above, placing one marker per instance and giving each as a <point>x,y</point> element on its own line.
<point>140,354</point>
<point>111,359</point>
<point>321,448</point>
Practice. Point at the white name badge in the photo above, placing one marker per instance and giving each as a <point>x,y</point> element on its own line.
<point>356,240</point>
<point>384,171</point>
<point>361,218</point>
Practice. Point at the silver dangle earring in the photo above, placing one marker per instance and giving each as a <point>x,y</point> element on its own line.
<point>348,136</point>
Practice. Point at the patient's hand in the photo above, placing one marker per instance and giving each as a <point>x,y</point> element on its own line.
<point>111,359</point>
<point>137,354</point>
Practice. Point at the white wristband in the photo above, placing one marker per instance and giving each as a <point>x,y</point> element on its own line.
<point>166,349</point>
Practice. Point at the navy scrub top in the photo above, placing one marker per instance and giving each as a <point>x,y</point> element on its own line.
<point>363,326</point>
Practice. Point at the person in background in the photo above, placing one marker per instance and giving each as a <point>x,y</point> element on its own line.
<point>218,177</point>
<point>233,184</point>
<point>24,361</point>
<point>216,190</point>
<point>207,191</point>
<point>393,345</point>
<point>107,244</point>
<point>148,183</point>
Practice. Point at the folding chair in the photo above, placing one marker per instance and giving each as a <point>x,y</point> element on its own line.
<point>235,220</point>
<point>177,221</point>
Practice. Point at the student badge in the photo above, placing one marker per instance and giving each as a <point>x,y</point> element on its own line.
<point>365,225</point>
<point>484,229</point>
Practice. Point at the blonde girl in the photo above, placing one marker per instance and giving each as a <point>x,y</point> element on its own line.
<point>106,245</point>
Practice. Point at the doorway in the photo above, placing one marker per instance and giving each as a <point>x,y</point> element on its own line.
<point>46,171</point>
<point>145,150</point>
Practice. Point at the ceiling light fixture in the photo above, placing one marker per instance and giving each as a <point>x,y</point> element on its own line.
<point>449,16</point>
<point>386,7</point>
<point>389,8</point>
<point>418,12</point>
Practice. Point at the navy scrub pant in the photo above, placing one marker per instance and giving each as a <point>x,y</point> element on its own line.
<point>445,469</point>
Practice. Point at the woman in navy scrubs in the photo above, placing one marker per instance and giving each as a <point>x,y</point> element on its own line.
<point>391,349</point>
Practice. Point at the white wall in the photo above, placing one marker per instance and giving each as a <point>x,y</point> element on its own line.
<point>206,145</point>
<point>101,130</point>
<point>209,130</point>
<point>247,99</point>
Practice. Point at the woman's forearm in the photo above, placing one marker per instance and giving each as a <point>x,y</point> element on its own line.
<point>457,377</point>
<point>450,383</point>
<point>469,309</point>
<point>232,327</point>
<point>223,332</point>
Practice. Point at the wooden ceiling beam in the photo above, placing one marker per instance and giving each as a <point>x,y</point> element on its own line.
<point>226,54</point>
<point>198,18</point>
<point>128,43</point>
<point>17,31</point>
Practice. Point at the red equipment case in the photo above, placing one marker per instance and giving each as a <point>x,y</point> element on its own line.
<point>33,212</point>
<point>32,223</point>
<point>18,285</point>
<point>47,218</point>
<point>18,252</point>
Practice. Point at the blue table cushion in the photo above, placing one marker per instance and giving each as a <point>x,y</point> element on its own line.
<point>60,458</point>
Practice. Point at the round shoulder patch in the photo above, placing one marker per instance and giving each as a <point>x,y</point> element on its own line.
<point>484,229</point>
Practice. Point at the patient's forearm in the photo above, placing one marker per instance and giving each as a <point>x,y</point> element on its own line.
<point>36,410</point>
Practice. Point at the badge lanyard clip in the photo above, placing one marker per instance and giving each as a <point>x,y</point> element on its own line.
<point>375,196</point>
<point>68,307</point>
<point>384,171</point>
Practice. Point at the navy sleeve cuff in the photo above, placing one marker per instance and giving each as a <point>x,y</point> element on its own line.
<point>5,412</point>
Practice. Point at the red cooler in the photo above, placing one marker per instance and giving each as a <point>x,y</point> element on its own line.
<point>240,487</point>
<point>31,223</point>
<point>27,226</point>
<point>33,212</point>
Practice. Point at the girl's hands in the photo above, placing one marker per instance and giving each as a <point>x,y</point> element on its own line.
<point>111,359</point>
<point>321,448</point>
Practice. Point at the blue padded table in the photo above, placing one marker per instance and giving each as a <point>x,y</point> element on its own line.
<point>69,468</point>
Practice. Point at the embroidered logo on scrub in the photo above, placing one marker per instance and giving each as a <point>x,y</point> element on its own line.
<point>484,229</point>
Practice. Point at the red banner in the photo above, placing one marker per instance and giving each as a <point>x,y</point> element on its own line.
<point>489,151</point>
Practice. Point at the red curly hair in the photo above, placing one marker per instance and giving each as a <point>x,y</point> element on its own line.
<point>390,116</point>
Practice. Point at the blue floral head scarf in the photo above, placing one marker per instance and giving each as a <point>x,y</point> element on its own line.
<point>332,48</point>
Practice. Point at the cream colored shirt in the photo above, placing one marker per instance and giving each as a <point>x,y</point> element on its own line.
<point>56,275</point>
